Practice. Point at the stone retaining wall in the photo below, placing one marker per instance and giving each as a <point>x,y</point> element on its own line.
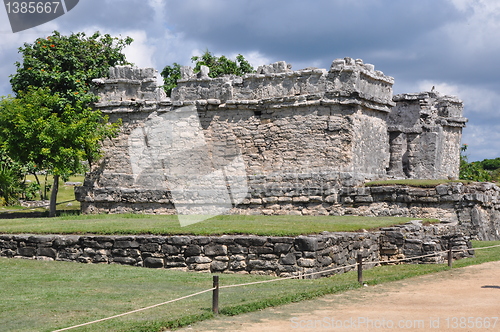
<point>474,208</point>
<point>279,256</point>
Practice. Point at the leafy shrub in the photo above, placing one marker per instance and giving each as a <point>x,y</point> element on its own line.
<point>219,66</point>
<point>472,171</point>
<point>491,164</point>
<point>11,175</point>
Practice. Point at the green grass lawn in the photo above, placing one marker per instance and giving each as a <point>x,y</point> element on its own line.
<point>45,296</point>
<point>421,183</point>
<point>65,197</point>
<point>168,225</point>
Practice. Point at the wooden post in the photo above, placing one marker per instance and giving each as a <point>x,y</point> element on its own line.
<point>215,296</point>
<point>360,268</point>
<point>450,254</point>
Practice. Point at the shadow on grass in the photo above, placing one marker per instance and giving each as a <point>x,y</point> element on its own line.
<point>36,214</point>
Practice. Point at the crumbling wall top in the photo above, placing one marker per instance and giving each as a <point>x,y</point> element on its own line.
<point>127,83</point>
<point>348,80</point>
<point>414,111</point>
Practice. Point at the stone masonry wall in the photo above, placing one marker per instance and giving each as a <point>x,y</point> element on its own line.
<point>278,256</point>
<point>274,142</point>
<point>425,131</point>
<point>473,208</point>
<point>263,131</point>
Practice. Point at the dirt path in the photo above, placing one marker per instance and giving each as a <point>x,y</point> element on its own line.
<point>439,302</point>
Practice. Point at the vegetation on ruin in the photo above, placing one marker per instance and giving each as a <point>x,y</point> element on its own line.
<point>218,66</point>
<point>49,125</point>
<point>135,224</point>
<point>62,294</point>
<point>419,183</point>
<point>472,170</point>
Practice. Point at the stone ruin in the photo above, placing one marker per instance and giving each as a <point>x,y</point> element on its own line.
<point>274,142</point>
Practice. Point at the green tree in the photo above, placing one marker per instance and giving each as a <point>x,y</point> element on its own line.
<point>471,171</point>
<point>222,65</point>
<point>67,64</point>
<point>55,127</point>
<point>170,76</point>
<point>491,164</point>
<point>219,66</point>
<point>11,174</point>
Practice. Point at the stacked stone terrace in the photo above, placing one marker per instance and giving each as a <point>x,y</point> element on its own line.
<point>286,141</point>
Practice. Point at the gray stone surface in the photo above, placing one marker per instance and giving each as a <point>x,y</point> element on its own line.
<point>275,142</point>
<point>279,256</point>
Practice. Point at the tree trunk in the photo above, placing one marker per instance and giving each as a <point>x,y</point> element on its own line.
<point>53,196</point>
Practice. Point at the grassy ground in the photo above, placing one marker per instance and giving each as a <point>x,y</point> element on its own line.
<point>168,225</point>
<point>421,183</point>
<point>65,198</point>
<point>44,296</point>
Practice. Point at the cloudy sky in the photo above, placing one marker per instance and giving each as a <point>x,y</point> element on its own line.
<point>453,45</point>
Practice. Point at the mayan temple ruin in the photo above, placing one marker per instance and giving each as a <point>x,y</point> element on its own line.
<point>276,141</point>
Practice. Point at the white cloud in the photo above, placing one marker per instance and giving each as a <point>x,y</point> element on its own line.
<point>480,31</point>
<point>141,51</point>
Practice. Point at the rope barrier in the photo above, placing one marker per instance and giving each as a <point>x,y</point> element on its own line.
<point>286,278</point>
<point>268,281</point>
<point>498,245</point>
<point>407,259</point>
<point>134,311</point>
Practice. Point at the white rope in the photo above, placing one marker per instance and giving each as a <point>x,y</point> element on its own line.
<point>286,278</point>
<point>406,259</point>
<point>272,280</point>
<point>498,245</point>
<point>134,311</point>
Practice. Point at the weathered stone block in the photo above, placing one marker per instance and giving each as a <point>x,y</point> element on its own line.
<point>306,243</point>
<point>288,259</point>
<point>280,248</point>
<point>306,262</point>
<point>124,260</point>
<point>153,262</point>
<point>261,250</point>
<point>170,250</point>
<point>237,249</point>
<point>198,260</point>
<point>150,247</point>
<point>126,244</point>
<point>27,251</point>
<point>192,250</point>
<point>215,250</point>
<point>48,252</point>
<point>216,266</point>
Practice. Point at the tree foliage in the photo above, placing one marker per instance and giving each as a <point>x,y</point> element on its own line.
<point>11,174</point>
<point>67,64</point>
<point>472,171</point>
<point>491,164</point>
<point>222,65</point>
<point>50,122</point>
<point>218,66</point>
<point>32,132</point>
<point>170,76</point>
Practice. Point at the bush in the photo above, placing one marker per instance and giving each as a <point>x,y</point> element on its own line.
<point>219,66</point>
<point>472,171</point>
<point>11,175</point>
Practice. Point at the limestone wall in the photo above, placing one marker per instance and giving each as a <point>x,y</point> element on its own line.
<point>425,131</point>
<point>278,256</point>
<point>274,142</point>
<point>474,208</point>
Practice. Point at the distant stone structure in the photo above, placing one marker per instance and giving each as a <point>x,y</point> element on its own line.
<point>424,134</point>
<point>274,142</point>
